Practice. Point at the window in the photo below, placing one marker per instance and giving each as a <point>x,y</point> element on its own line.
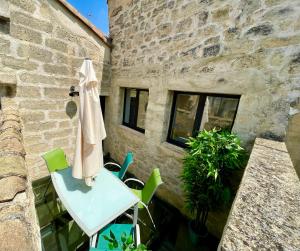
<point>135,106</point>
<point>193,112</point>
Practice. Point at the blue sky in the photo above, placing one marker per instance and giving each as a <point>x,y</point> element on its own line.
<point>96,11</point>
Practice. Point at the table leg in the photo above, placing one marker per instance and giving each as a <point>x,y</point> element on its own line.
<point>93,240</point>
<point>135,214</point>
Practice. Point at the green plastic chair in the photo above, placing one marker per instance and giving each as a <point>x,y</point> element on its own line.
<point>124,167</point>
<point>55,160</point>
<point>148,190</point>
<point>118,230</point>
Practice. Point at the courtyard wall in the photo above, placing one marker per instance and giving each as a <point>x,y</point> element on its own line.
<point>42,46</point>
<point>249,48</point>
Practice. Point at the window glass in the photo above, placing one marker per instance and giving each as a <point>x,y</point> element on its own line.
<point>194,112</point>
<point>135,106</point>
<point>143,103</point>
<point>219,112</point>
<point>127,106</point>
<point>184,116</point>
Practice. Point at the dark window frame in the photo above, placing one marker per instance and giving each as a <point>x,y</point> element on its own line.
<point>133,121</point>
<point>199,113</point>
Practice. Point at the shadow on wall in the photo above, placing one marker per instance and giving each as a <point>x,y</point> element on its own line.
<point>7,90</point>
<point>71,109</point>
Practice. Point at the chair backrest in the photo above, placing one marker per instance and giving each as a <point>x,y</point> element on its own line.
<point>151,185</point>
<point>55,160</point>
<point>127,162</point>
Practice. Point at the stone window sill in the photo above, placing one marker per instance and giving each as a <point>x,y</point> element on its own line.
<point>170,147</point>
<point>132,131</point>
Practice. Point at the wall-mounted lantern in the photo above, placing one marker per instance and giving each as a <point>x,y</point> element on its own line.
<point>73,92</point>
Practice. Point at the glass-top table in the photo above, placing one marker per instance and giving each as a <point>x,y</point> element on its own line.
<point>93,208</point>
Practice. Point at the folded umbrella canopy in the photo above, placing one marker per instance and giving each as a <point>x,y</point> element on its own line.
<point>88,157</point>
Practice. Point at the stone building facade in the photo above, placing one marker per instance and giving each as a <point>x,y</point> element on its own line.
<point>42,45</point>
<point>247,48</point>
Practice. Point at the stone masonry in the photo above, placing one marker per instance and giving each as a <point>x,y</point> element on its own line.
<point>250,48</point>
<point>266,212</point>
<point>42,49</point>
<point>19,229</point>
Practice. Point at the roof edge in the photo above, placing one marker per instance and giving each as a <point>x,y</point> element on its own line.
<point>92,27</point>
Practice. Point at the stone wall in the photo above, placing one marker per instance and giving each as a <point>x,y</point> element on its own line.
<point>266,212</point>
<point>250,48</point>
<point>42,49</point>
<point>19,229</point>
<point>293,135</point>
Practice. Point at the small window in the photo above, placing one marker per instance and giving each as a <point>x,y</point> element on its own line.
<point>193,112</point>
<point>135,106</point>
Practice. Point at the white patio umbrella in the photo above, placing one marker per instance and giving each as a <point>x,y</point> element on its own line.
<point>88,158</point>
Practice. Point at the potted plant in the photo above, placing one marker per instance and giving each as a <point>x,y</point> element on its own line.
<point>212,156</point>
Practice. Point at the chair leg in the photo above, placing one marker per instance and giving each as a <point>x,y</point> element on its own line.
<point>150,216</point>
<point>48,185</point>
<point>131,217</point>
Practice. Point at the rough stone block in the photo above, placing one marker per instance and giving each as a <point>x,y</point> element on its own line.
<point>8,78</point>
<point>37,79</point>
<point>31,22</point>
<point>31,140</point>
<point>56,45</point>
<point>164,30</point>
<point>12,165</point>
<point>28,91</point>
<point>14,234</point>
<point>62,81</point>
<point>31,51</point>
<point>116,11</point>
<point>38,104</point>
<point>58,115</point>
<point>58,134</point>
<point>27,5</point>
<point>56,69</point>
<point>66,35</point>
<point>4,46</point>
<point>37,148</point>
<point>56,93</point>
<point>61,58</point>
<point>280,41</point>
<point>184,25</point>
<point>269,176</point>
<point>202,18</point>
<point>18,64</point>
<point>64,142</point>
<point>40,126</point>
<point>220,14</point>
<point>10,186</point>
<point>32,116</point>
<point>64,124</point>
<point>211,50</point>
<point>11,145</point>
<point>262,30</point>
<point>212,40</point>
<point>26,34</point>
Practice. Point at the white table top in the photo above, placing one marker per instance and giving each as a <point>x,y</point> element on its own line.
<point>95,207</point>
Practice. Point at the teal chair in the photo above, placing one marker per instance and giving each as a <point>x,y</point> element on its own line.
<point>118,230</point>
<point>123,168</point>
<point>148,190</point>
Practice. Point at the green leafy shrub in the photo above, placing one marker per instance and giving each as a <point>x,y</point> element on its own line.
<point>127,243</point>
<point>212,157</point>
